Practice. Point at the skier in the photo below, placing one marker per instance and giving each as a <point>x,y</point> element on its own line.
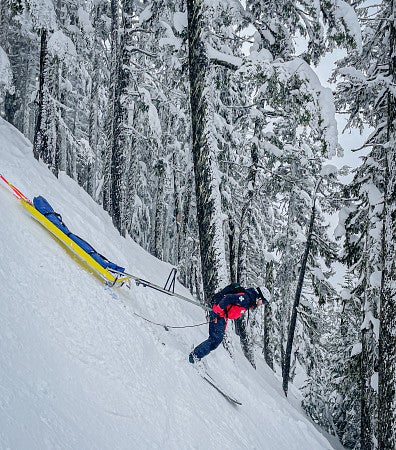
<point>231,306</point>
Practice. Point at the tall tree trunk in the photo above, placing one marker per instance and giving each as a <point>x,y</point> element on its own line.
<point>108,158</point>
<point>122,141</point>
<point>157,248</point>
<point>40,139</point>
<point>387,340</point>
<point>4,20</point>
<point>286,276</point>
<point>245,339</point>
<point>367,395</point>
<point>117,148</point>
<point>45,137</point>
<point>93,121</point>
<point>246,218</point>
<point>368,362</point>
<point>30,75</point>
<point>293,318</point>
<point>120,148</point>
<point>8,102</point>
<point>246,215</point>
<point>267,347</point>
<point>211,235</point>
<point>176,212</point>
<point>231,246</point>
<point>187,249</point>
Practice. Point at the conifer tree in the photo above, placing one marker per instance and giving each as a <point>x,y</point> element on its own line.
<point>46,143</point>
<point>387,339</point>
<point>214,272</point>
<point>21,52</point>
<point>369,83</point>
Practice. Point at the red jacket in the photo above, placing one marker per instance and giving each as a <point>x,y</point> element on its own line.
<point>232,306</point>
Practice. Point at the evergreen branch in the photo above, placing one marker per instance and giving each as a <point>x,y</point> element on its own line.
<point>326,247</point>
<point>223,161</point>
<point>137,133</point>
<point>235,38</point>
<point>367,144</point>
<point>226,64</point>
<point>139,50</point>
<point>367,19</point>
<point>370,142</point>
<point>264,112</point>
<point>137,30</point>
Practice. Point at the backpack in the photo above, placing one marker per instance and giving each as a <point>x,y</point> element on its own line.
<point>233,288</point>
<point>42,205</point>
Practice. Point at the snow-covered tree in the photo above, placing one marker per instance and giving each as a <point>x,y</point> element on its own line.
<point>6,79</point>
<point>366,94</point>
<point>210,221</point>
<point>331,389</point>
<point>387,339</point>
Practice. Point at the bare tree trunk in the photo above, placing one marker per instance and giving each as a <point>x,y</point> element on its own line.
<point>211,235</point>
<point>117,148</point>
<point>245,340</point>
<point>367,395</point>
<point>231,246</point>
<point>267,347</point>
<point>244,231</point>
<point>387,340</point>
<point>293,318</point>
<point>157,248</point>
<point>45,137</point>
<point>177,212</point>
<point>93,124</point>
<point>108,159</point>
<point>246,215</point>
<point>40,139</point>
<point>185,223</point>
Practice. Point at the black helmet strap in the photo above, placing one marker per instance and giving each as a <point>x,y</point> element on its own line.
<point>261,295</point>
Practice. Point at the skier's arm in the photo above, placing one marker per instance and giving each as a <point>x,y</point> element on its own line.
<point>231,299</point>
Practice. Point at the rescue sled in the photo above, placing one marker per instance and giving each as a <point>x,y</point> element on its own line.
<point>112,274</point>
<point>111,278</point>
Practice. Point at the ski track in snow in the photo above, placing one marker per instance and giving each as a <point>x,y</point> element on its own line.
<point>78,370</point>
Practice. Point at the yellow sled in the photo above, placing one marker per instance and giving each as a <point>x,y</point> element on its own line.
<point>111,278</point>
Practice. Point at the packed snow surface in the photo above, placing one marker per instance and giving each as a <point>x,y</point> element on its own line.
<point>78,368</point>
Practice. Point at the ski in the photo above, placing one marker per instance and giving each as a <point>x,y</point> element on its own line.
<point>201,368</point>
<point>228,397</point>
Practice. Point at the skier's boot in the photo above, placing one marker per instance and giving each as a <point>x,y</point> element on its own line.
<point>192,358</point>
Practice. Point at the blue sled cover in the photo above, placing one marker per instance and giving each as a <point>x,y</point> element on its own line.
<point>42,205</point>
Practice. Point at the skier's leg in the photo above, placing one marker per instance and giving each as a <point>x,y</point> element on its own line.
<point>216,334</point>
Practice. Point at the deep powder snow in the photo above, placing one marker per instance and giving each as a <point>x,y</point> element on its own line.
<point>78,369</point>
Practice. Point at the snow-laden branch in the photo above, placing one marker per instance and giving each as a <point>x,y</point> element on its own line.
<point>5,73</point>
<point>322,96</point>
<point>223,59</point>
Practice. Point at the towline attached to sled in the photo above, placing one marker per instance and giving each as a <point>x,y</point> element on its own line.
<point>113,274</point>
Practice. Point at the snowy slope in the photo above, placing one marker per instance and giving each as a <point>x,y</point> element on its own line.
<point>78,369</point>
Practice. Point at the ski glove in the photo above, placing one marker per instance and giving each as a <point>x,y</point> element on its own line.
<point>214,316</point>
<point>219,311</point>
